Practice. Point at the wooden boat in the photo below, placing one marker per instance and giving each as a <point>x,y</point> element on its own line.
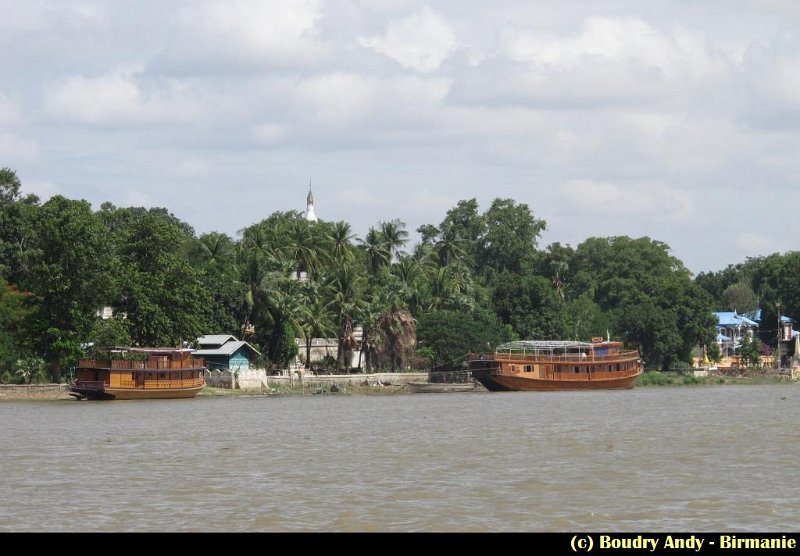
<point>439,387</point>
<point>139,373</point>
<point>557,365</point>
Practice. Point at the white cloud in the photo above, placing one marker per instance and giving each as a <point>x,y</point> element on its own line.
<point>9,114</point>
<point>611,61</point>
<point>14,148</point>
<point>420,41</point>
<point>280,32</point>
<point>757,244</point>
<point>268,134</point>
<point>191,168</point>
<point>637,201</point>
<point>43,189</point>
<point>117,98</point>
<point>328,102</point>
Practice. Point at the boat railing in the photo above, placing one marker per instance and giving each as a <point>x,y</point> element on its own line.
<point>90,384</point>
<point>550,358</point>
<point>173,383</point>
<point>153,363</point>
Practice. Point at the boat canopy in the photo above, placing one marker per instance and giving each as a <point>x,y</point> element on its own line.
<point>544,346</point>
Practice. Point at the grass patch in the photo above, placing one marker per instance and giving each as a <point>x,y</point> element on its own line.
<point>759,376</point>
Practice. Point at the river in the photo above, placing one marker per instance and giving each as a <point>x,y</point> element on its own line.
<point>719,458</point>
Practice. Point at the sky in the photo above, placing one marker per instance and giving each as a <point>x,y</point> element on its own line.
<point>676,120</point>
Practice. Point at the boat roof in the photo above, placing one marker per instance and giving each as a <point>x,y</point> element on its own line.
<point>152,351</point>
<point>544,345</point>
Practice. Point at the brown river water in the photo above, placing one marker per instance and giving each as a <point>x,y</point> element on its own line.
<point>722,458</point>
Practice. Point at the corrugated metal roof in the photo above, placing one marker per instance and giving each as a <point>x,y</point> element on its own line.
<point>215,339</point>
<point>731,318</point>
<point>228,348</point>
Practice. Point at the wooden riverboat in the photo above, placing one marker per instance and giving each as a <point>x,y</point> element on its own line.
<point>139,373</point>
<point>557,365</point>
<point>439,387</point>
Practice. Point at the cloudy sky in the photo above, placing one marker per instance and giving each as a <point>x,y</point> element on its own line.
<point>678,120</point>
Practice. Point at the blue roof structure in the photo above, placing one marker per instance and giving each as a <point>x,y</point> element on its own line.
<point>731,318</point>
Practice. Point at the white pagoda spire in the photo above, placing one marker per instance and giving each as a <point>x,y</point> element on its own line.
<point>310,216</point>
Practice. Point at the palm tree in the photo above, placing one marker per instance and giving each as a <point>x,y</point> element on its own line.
<point>342,236</point>
<point>302,247</point>
<point>396,331</point>
<point>344,286</point>
<point>449,246</point>
<point>211,248</point>
<point>317,322</point>
<point>395,236</point>
<point>375,250</point>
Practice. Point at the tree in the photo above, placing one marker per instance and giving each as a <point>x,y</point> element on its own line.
<point>341,237</point>
<point>395,336</point>
<point>740,297</point>
<point>750,351</point>
<point>466,228</point>
<point>70,259</point>
<point>161,295</point>
<point>345,286</point>
<point>214,256</point>
<point>10,186</point>
<point>317,322</point>
<point>511,236</point>
<point>376,252</point>
<point>451,336</point>
<point>394,237</point>
<point>14,310</point>
<point>530,306</point>
<point>17,227</point>
<point>647,295</point>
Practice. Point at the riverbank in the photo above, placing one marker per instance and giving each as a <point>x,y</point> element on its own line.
<point>743,376</point>
<point>368,386</point>
<point>34,392</point>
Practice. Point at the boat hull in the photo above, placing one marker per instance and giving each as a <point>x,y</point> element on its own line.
<point>153,393</point>
<point>500,383</point>
<point>136,393</point>
<point>439,387</point>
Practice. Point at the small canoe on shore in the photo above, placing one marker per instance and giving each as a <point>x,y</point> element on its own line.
<point>438,387</point>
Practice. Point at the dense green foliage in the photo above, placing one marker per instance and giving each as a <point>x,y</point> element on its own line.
<point>449,337</point>
<point>475,279</point>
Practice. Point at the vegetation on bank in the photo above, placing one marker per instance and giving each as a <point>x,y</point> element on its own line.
<point>281,389</point>
<point>659,378</point>
<point>474,280</point>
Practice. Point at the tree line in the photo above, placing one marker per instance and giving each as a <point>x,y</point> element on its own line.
<point>474,280</point>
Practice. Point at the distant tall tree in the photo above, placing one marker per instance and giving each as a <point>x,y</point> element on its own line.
<point>70,258</point>
<point>161,294</point>
<point>647,295</point>
<point>14,310</point>
<point>341,237</point>
<point>530,306</point>
<point>396,335</point>
<point>394,236</point>
<point>511,236</point>
<point>17,227</point>
<point>740,297</point>
<point>377,254</point>
<point>10,186</point>
<point>453,335</point>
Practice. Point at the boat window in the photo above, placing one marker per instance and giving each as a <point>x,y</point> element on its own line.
<point>577,369</point>
<point>528,368</point>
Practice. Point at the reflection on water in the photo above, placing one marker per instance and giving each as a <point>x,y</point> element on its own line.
<point>650,459</point>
